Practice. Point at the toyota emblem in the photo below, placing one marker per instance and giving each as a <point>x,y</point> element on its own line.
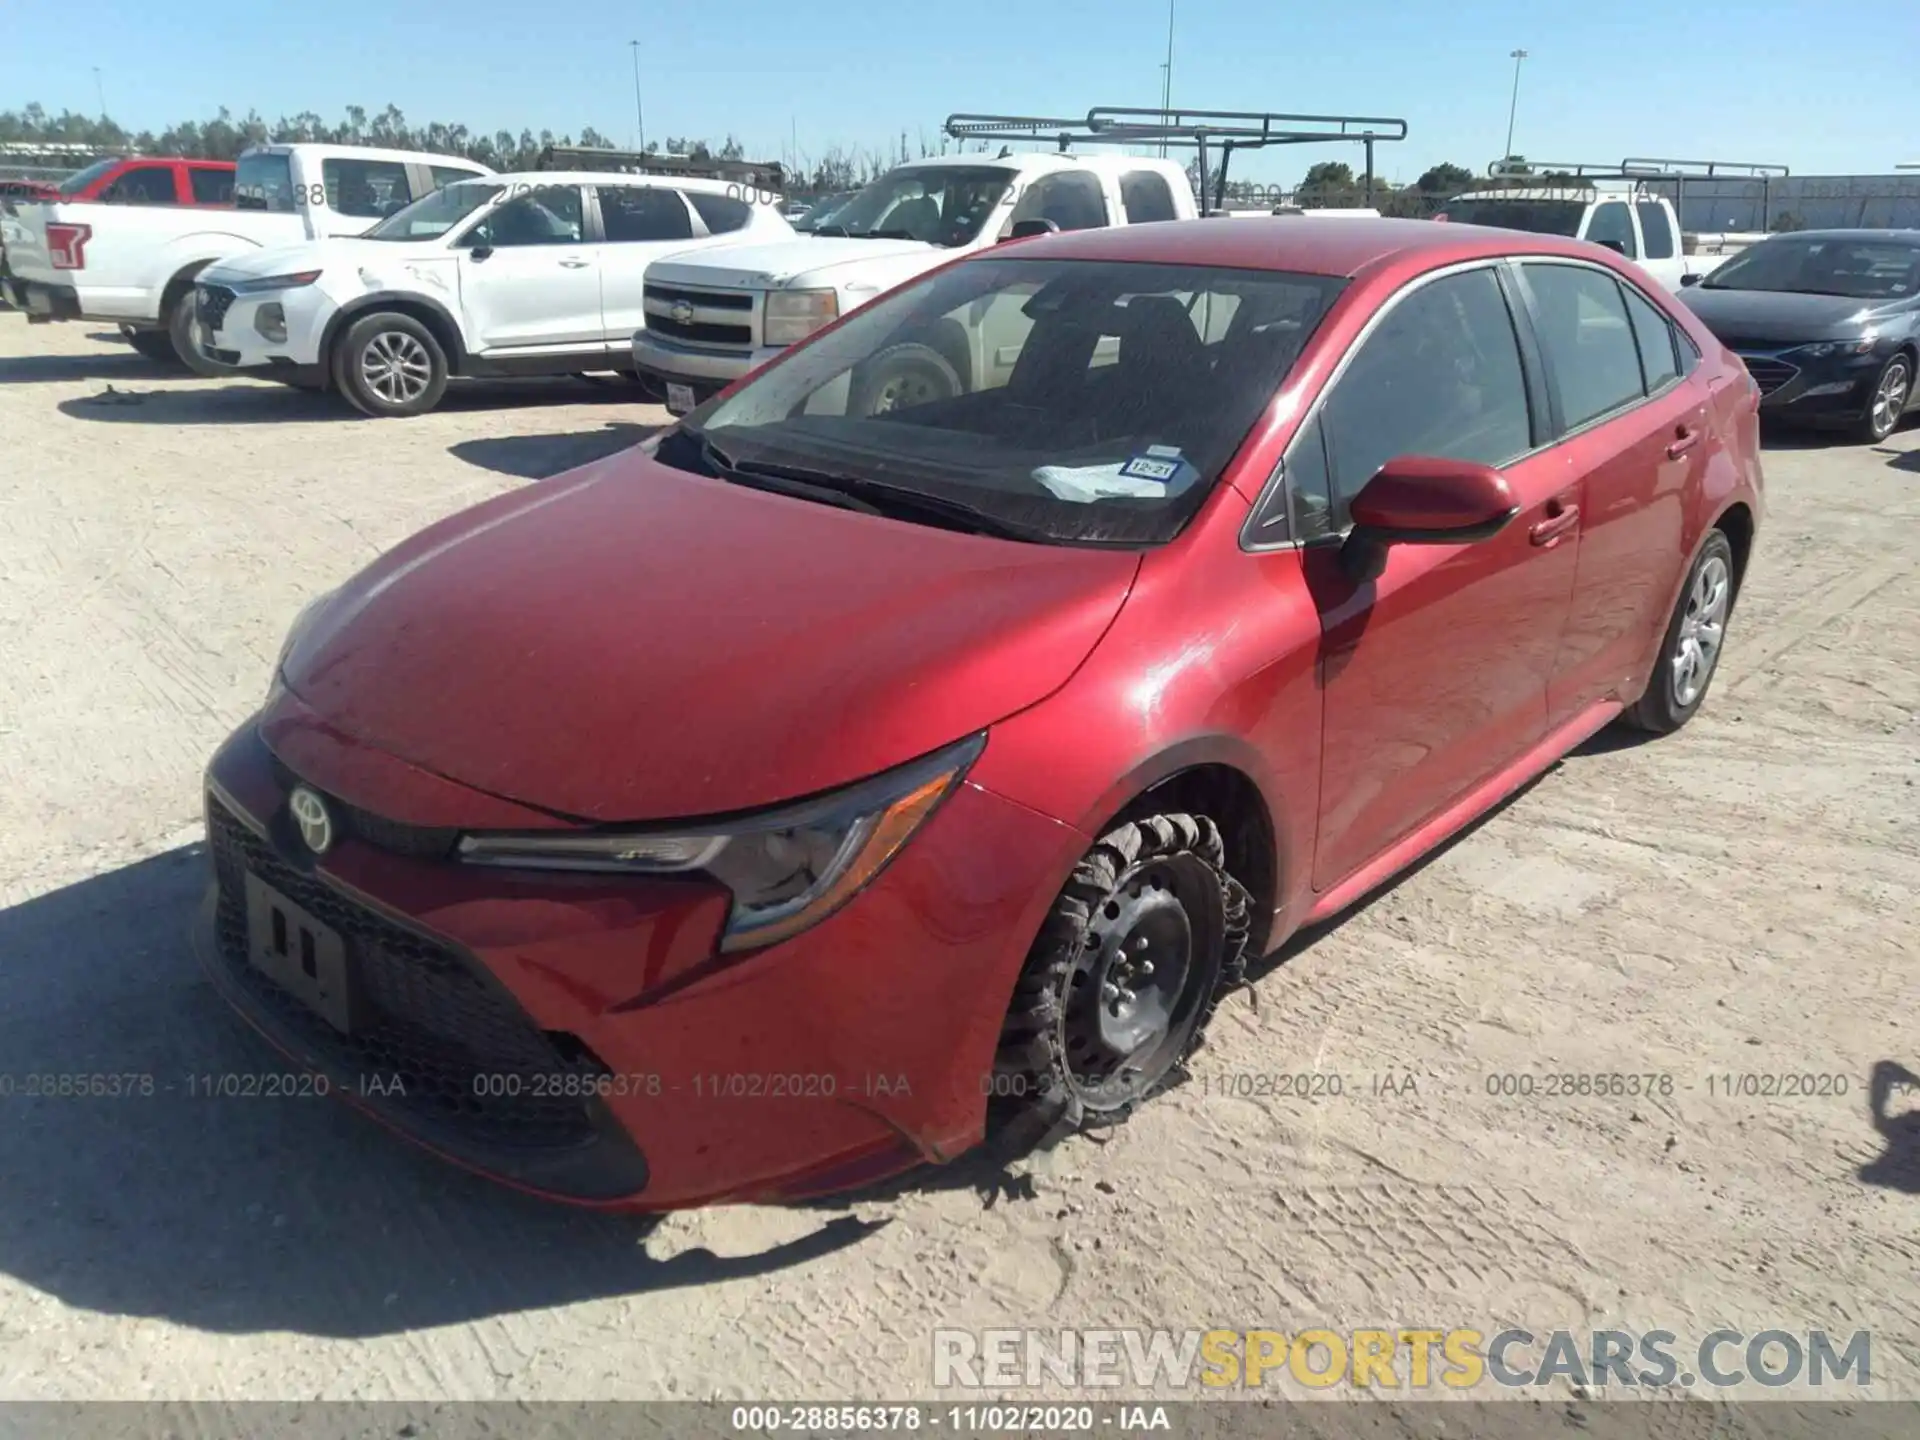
<point>682,312</point>
<point>309,812</point>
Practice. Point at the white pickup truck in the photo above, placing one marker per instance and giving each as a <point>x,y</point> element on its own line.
<point>1626,218</point>
<point>709,319</point>
<point>134,265</point>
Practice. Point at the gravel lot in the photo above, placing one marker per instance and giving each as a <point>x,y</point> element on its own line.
<point>1735,900</point>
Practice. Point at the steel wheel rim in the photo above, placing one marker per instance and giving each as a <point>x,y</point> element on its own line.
<point>396,367</point>
<point>1891,398</point>
<point>904,389</point>
<point>1703,628</point>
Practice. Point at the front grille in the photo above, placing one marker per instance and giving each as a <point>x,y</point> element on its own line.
<point>425,1017</point>
<point>1768,373</point>
<point>707,299</point>
<point>421,842</point>
<point>700,332</point>
<point>210,305</point>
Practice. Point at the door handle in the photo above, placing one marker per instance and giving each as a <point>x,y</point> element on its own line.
<point>1561,518</point>
<point>1684,439</point>
<point>575,264</point>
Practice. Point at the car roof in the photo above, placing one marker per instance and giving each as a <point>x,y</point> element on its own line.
<point>1282,242</point>
<point>534,178</point>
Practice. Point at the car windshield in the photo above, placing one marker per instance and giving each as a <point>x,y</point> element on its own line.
<point>1059,401</point>
<point>943,205</point>
<point>1540,217</point>
<point>431,216</point>
<point>1864,269</point>
<point>80,179</point>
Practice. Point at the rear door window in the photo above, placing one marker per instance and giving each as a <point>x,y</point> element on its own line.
<point>1656,229</point>
<point>720,213</point>
<point>643,212</point>
<point>1071,199</point>
<point>365,189</point>
<point>1590,346</point>
<point>1612,224</point>
<point>1655,335</point>
<point>1146,196</point>
<point>212,184</point>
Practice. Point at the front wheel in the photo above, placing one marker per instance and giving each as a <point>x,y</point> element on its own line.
<point>389,364</point>
<point>183,336</point>
<point>1690,651</point>
<point>1147,936</point>
<point>902,377</point>
<point>1891,391</point>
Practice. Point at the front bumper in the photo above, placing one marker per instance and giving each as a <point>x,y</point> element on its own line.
<point>232,335</point>
<point>572,1035</point>
<point>1835,389</point>
<point>42,302</point>
<point>705,372</point>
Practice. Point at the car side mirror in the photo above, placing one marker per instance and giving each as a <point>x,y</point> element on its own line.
<point>1689,279</point>
<point>1423,500</point>
<point>480,251</point>
<point>1613,245</point>
<point>1023,228</point>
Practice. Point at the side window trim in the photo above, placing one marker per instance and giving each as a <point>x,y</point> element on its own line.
<point>1310,417</point>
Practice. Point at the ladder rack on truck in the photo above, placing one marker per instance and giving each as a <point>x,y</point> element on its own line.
<point>1231,130</point>
<point>1644,173</point>
<point>769,176</point>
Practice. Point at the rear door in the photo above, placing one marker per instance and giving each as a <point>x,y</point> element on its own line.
<point>1633,424</point>
<point>639,224</point>
<point>1434,675</point>
<point>529,277</point>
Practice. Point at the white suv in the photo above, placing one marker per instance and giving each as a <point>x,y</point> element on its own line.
<point>530,274</point>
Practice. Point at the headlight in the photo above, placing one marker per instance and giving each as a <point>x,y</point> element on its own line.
<point>788,869</point>
<point>1821,349</point>
<point>793,315</point>
<point>274,282</point>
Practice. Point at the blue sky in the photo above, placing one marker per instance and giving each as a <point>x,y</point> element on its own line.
<point>1602,81</point>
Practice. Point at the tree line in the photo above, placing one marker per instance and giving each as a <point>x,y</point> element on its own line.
<point>1330,183</point>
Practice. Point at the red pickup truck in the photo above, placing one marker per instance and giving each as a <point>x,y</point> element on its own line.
<point>123,180</point>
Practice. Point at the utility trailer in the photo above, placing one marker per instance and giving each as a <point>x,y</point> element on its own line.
<point>1230,130</point>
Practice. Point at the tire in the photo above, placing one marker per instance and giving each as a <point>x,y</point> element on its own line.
<point>903,375</point>
<point>1892,389</point>
<point>1674,694</point>
<point>388,364</point>
<point>181,338</point>
<point>1089,1033</point>
<point>154,345</point>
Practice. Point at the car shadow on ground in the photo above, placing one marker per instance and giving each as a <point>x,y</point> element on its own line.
<point>535,457</point>
<point>240,1214</point>
<point>1908,460</point>
<point>126,367</point>
<point>266,403</point>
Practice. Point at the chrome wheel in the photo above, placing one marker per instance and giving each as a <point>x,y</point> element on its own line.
<point>1890,398</point>
<point>1702,628</point>
<point>396,367</point>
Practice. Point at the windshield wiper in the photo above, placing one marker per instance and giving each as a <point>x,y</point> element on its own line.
<point>871,497</point>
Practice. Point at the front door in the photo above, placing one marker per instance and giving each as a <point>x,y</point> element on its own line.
<point>528,276</point>
<point>1435,674</point>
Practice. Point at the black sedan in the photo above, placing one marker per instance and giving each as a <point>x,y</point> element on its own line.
<point>1828,322</point>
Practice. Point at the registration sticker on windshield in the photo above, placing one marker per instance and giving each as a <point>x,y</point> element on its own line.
<point>1163,463</point>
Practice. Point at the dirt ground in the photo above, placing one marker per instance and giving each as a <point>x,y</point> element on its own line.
<point>1736,900</point>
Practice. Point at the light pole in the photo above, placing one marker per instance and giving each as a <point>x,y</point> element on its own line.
<point>639,119</point>
<point>1166,78</point>
<point>1513,107</point>
<point>100,90</point>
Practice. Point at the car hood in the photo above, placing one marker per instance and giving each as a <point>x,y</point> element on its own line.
<point>628,642</point>
<point>770,266</point>
<point>1776,317</point>
<point>342,252</point>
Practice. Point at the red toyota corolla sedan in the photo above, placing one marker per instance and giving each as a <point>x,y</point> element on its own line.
<point>931,727</point>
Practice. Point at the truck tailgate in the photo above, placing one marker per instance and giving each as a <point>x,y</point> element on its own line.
<point>26,235</point>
